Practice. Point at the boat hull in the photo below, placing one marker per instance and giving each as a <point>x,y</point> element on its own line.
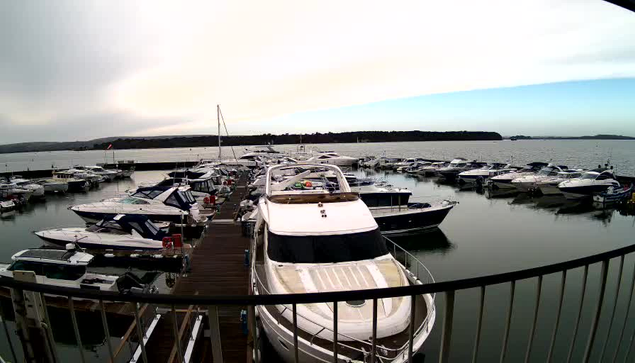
<point>582,192</point>
<point>393,221</point>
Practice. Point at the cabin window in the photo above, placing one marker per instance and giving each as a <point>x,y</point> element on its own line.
<point>604,177</point>
<point>150,194</point>
<point>64,272</point>
<point>26,266</point>
<point>326,249</point>
<point>134,201</point>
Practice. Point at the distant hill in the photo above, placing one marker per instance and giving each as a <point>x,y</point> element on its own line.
<point>212,140</point>
<point>595,137</point>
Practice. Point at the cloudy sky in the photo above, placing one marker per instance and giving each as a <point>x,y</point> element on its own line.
<point>75,70</point>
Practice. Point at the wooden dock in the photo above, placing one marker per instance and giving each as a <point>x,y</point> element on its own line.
<point>217,268</point>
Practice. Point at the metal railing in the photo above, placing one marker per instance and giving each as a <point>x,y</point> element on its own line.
<point>623,347</point>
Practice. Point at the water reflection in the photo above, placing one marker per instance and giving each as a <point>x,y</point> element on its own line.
<point>434,241</point>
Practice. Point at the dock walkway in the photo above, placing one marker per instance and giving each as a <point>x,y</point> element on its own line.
<point>217,268</point>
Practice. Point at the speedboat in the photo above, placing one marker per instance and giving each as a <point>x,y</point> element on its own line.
<point>416,167</point>
<point>108,175</point>
<point>528,182</point>
<point>504,181</point>
<point>19,184</point>
<point>7,207</point>
<point>590,183</point>
<point>549,186</point>
<point>411,218</point>
<point>164,204</point>
<point>457,166</point>
<point>333,158</point>
<point>68,268</point>
<point>380,194</point>
<point>54,185</point>
<point>311,239</point>
<point>74,183</point>
<point>123,232</point>
<point>480,175</point>
<point>431,170</point>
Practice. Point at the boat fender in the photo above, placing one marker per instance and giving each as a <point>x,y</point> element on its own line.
<point>167,243</point>
<point>177,239</point>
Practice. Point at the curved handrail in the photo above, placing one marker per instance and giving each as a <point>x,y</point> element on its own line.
<point>309,298</point>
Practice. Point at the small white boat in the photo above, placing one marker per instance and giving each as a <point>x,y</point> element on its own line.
<point>612,195</point>
<point>549,186</point>
<point>7,207</point>
<point>431,170</point>
<point>333,158</point>
<point>528,183</point>
<point>67,268</point>
<point>33,190</point>
<point>123,232</point>
<point>54,185</point>
<point>504,181</point>
<point>482,174</point>
<point>590,183</point>
<point>164,204</point>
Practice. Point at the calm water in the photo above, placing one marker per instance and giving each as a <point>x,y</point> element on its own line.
<point>483,235</point>
<point>573,153</point>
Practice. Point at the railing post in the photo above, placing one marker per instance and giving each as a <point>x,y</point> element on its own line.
<point>335,318</point>
<point>446,334</point>
<point>104,323</point>
<point>508,322</point>
<point>177,339</point>
<point>215,338</point>
<point>577,323</point>
<point>411,329</point>
<point>78,338</point>
<point>254,333</point>
<point>628,314</point>
<point>617,295</point>
<point>479,324</point>
<point>598,311</point>
<point>535,320</point>
<point>295,333</point>
<point>373,351</point>
<point>555,328</point>
<point>140,333</point>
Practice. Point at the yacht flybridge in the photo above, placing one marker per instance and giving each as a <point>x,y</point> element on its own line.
<point>313,237</point>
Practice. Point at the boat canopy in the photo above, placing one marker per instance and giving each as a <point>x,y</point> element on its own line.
<point>179,197</point>
<point>127,223</point>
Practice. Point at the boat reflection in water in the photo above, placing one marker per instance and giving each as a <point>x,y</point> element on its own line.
<point>434,241</point>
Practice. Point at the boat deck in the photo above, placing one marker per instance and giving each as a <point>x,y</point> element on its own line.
<point>216,268</point>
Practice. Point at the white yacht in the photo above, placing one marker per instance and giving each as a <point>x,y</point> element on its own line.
<point>65,268</point>
<point>528,182</point>
<point>590,183</point>
<point>311,239</point>
<point>54,185</point>
<point>549,186</point>
<point>480,175</point>
<point>164,204</point>
<point>333,158</point>
<point>123,232</point>
<point>108,175</point>
<point>504,181</point>
<point>456,167</point>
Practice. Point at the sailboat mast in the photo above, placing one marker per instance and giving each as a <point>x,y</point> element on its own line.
<point>219,141</point>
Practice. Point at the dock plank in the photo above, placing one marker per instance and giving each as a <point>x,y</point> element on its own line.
<point>217,268</point>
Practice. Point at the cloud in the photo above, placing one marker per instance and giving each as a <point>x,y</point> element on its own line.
<point>162,66</point>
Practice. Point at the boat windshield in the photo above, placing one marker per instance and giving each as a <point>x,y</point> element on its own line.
<point>131,200</point>
<point>326,249</point>
<point>589,176</point>
<point>545,171</point>
<point>51,271</point>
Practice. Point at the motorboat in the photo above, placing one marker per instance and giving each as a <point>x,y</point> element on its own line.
<point>201,183</point>
<point>590,183</point>
<point>416,167</point>
<point>528,182</point>
<point>482,174</point>
<point>158,203</point>
<point>74,183</point>
<point>68,268</point>
<point>123,232</point>
<point>549,186</point>
<point>612,196</point>
<point>7,206</point>
<point>431,170</point>
<point>333,158</point>
<point>54,185</point>
<point>402,165</point>
<point>504,181</point>
<point>411,217</point>
<point>108,175</point>
<point>309,238</point>
<point>456,167</point>
<point>33,189</point>
<point>381,194</point>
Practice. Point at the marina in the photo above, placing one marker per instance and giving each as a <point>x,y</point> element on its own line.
<point>454,248</point>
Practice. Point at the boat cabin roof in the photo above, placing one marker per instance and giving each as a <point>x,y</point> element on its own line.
<point>56,256</point>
